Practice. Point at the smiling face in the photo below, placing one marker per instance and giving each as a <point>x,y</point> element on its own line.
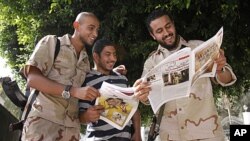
<point>163,31</point>
<point>106,60</point>
<point>87,28</point>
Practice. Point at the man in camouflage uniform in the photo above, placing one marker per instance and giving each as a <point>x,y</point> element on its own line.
<point>54,113</point>
<point>193,118</point>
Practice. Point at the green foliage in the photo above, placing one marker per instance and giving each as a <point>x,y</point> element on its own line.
<point>23,22</point>
<point>146,114</point>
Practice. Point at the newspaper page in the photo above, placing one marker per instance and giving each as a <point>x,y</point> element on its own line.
<point>119,104</point>
<point>174,76</point>
<point>169,79</point>
<point>204,55</point>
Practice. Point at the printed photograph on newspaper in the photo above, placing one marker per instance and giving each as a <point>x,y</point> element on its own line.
<point>204,56</point>
<point>169,79</point>
<point>119,104</point>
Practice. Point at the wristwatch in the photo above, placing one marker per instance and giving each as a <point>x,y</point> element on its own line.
<point>66,93</point>
<point>223,69</point>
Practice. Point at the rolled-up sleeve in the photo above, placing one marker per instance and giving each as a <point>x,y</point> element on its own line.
<point>229,68</point>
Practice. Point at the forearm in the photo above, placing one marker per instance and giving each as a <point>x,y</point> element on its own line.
<point>224,76</point>
<point>83,118</point>
<point>37,81</point>
<point>136,119</point>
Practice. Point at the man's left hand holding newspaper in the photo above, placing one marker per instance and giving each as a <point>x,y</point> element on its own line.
<point>142,90</point>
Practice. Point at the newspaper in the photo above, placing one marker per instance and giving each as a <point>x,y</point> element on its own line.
<point>174,76</point>
<point>119,104</point>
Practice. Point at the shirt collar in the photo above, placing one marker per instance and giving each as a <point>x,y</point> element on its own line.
<point>182,43</point>
<point>95,72</point>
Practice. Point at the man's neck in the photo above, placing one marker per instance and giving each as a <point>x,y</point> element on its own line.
<point>77,44</point>
<point>101,71</point>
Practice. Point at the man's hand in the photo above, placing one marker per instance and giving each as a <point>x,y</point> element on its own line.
<point>121,69</point>
<point>92,114</point>
<point>223,74</point>
<point>142,90</point>
<point>85,93</point>
<point>220,61</point>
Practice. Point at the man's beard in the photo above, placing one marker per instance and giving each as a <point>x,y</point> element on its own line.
<point>173,46</point>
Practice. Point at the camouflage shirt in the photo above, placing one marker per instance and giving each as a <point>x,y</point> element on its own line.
<point>67,69</point>
<point>194,117</point>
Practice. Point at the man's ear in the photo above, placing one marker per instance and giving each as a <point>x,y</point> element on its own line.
<point>152,35</point>
<point>95,57</point>
<point>76,25</point>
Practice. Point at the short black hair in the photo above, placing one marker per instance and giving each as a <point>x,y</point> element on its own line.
<point>156,14</point>
<point>100,44</point>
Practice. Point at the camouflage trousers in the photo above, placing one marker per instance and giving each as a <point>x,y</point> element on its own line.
<point>39,129</point>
